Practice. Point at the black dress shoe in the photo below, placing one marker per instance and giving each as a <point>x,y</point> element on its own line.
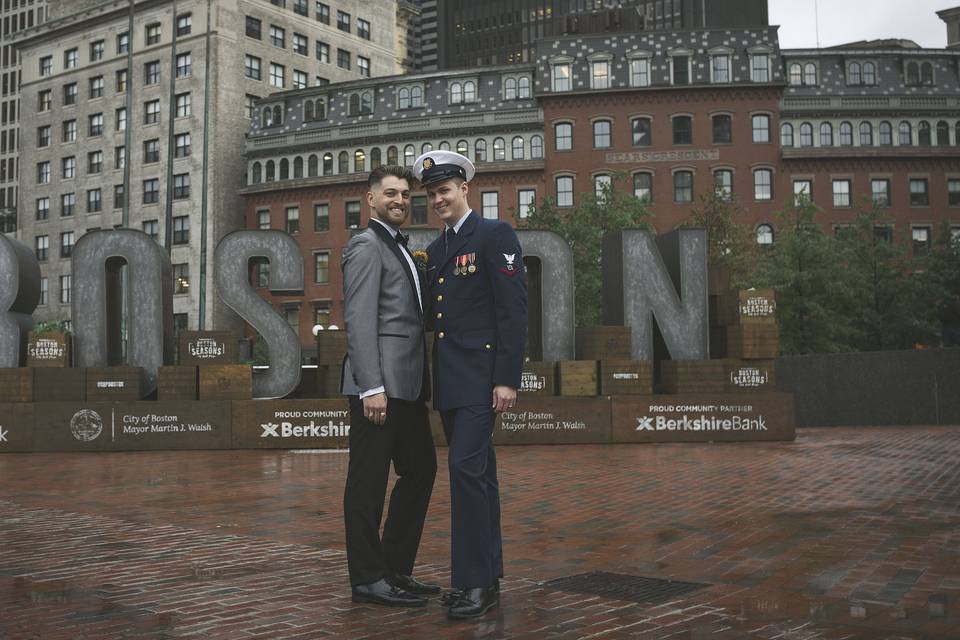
<point>473,603</point>
<point>382,592</point>
<point>412,585</point>
<point>450,598</point>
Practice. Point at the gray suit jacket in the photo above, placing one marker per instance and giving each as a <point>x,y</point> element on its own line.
<point>384,322</point>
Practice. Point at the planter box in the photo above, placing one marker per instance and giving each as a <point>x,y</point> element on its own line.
<point>53,384</point>
<point>208,347</point>
<point>578,377</point>
<point>177,383</point>
<point>50,349</point>
<point>539,379</point>
<point>753,341</point>
<point>626,377</point>
<point>226,382</point>
<point>598,343</point>
<point>16,385</point>
<point>693,376</point>
<point>107,384</point>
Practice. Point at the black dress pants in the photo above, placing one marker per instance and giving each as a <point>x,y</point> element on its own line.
<point>405,440</point>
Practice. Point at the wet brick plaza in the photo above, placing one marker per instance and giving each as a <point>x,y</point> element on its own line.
<point>845,533</point>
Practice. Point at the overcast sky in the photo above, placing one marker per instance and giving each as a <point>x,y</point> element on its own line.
<point>851,20</point>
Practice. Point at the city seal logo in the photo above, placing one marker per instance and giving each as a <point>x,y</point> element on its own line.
<point>86,425</point>
<point>427,163</point>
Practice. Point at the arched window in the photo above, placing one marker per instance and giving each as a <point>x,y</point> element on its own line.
<point>359,161</point>
<point>298,167</point>
<point>523,88</point>
<point>943,133</point>
<point>517,148</point>
<point>806,134</point>
<point>284,169</point>
<point>343,162</point>
<point>826,134</point>
<point>313,165</point>
<point>869,73</point>
<point>885,131</point>
<point>866,134</point>
<point>328,164</point>
<point>499,149</point>
<point>926,73</point>
<point>536,147</point>
<point>409,155</point>
<point>266,119</point>
<point>456,93</point>
<point>366,102</point>
<point>444,146</point>
<point>463,148</point>
<point>786,134</point>
<point>277,116</point>
<point>796,74</point>
<point>923,133</point>
<point>469,91</point>
<point>376,158</point>
<point>416,97</point>
<point>510,89</point>
<point>308,110</point>
<point>810,74</point>
<point>764,234</point>
<point>643,186</point>
<point>271,171</point>
<point>480,150</point>
<point>392,157</point>
<point>320,109</point>
<point>355,104</point>
<point>846,134</point>
<point>853,73</point>
<point>905,134</point>
<point>913,73</point>
<point>257,173</point>
<point>404,99</point>
<point>426,147</point>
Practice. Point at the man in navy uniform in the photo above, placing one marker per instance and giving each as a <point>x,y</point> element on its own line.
<point>478,298</point>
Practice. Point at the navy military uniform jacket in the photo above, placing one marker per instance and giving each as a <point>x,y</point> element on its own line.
<point>478,313</point>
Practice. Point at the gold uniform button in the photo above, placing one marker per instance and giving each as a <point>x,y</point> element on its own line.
<point>439,298</point>
<point>440,281</point>
<point>440,335</point>
<point>439,315</point>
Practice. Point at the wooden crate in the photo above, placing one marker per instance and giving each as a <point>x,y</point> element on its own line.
<point>226,382</point>
<point>750,375</point>
<point>177,383</point>
<point>52,349</point>
<point>718,342</point>
<point>597,343</point>
<point>331,347</point>
<point>328,380</point>
<point>748,306</point>
<point>16,385</point>
<point>107,384</point>
<point>59,384</point>
<point>753,341</point>
<point>208,347</point>
<point>578,378</point>
<point>539,379</point>
<point>625,377</point>
<point>696,376</point>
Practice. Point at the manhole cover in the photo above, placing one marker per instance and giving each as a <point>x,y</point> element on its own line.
<point>618,586</point>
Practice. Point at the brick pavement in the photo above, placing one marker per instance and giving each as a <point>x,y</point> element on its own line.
<point>846,533</point>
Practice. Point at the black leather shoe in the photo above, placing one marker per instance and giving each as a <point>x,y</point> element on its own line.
<point>450,598</point>
<point>473,603</point>
<point>382,592</point>
<point>412,585</point>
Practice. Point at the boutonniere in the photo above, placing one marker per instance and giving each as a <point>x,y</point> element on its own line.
<point>420,259</point>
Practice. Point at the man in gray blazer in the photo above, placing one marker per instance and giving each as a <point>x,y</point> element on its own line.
<point>385,380</point>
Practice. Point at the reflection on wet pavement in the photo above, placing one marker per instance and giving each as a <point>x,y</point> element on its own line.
<point>847,533</point>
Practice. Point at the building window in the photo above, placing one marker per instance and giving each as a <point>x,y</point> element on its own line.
<point>826,134</point>
<point>278,36</point>
<point>70,94</point>
<point>682,130</point>
<point>943,134</point>
<point>151,112</point>
<point>683,186</point>
<point>151,191</point>
<point>563,135</point>
<point>418,210</point>
<point>46,65</point>
<point>680,69</point>
<point>44,291</point>
<point>516,148</point>
<point>641,130</point>
<point>866,134</point>
<point>66,287</point>
<point>43,208</point>
<point>181,186</point>
<point>323,12</point>
<point>880,192</point>
<point>43,172</point>
<point>151,72</point>
<point>123,43</point>
<point>464,149</point>
<point>795,75</point>
<point>184,24</point>
<point>601,134</point>
<point>321,267</point>
<point>95,124</point>
<point>479,151</point>
<point>299,79</point>
<point>343,21</point>
<point>119,157</point>
<point>323,52</point>
<point>300,44</point>
<point>252,67</point>
<point>526,199</point>
<point>181,145</point>
<point>43,136</point>
<point>363,28</point>
<point>723,183</point>
<point>68,204</point>
<point>921,239</point>
<point>184,65</point>
<point>600,74</point>
<point>919,196</point>
<point>69,130</point>
<point>253,28</point>
<point>763,184</point>
<point>66,244</point>
<point>71,58</point>
<point>363,65</point>
<point>905,134</point>
<point>764,235</point>
<point>41,247</point>
<point>68,167</point>
<point>564,191</point>
<point>321,217</point>
<point>722,129</point>
<point>924,138</point>
<point>96,87</point>
<point>786,134</point>
<point>181,278</point>
<point>181,229</point>
<point>120,119</point>
<point>602,185</point>
<point>846,134</point>
<point>761,128</point>
<point>536,147</point>
<point>343,59</point>
<point>643,186</point>
<point>560,77</point>
<point>263,219</point>
<point>44,100</point>
<point>292,220</point>
<point>183,105</point>
<point>841,193</point>
<point>277,72</point>
<point>802,191</point>
<point>491,204</point>
<point>118,196</point>
<point>95,162</point>
<point>121,80</point>
<point>153,33</point>
<point>499,151</point>
<point>353,215</point>
<point>720,68</point>
<point>640,72</point>
<point>953,192</point>
<point>806,134</point>
<point>760,67</point>
<point>869,73</point>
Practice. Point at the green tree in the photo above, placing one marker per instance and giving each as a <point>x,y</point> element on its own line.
<point>583,227</point>
<point>732,247</point>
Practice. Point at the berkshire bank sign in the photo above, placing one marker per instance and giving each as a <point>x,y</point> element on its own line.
<point>646,278</point>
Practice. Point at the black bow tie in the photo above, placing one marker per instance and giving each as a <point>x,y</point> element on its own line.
<point>401,239</point>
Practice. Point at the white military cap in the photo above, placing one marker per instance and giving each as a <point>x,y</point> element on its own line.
<point>437,166</point>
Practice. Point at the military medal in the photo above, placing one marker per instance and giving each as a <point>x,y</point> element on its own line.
<point>472,268</point>
<point>461,268</point>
